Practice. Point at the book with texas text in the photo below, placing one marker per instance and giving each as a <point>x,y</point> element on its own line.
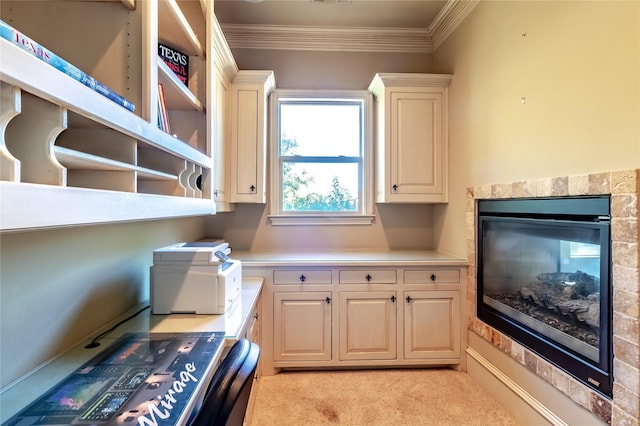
<point>177,61</point>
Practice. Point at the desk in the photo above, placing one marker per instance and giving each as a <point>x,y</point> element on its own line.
<point>234,323</point>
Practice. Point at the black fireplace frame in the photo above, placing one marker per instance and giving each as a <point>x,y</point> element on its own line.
<point>589,211</point>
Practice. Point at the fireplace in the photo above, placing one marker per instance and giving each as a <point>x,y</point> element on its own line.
<point>544,279</point>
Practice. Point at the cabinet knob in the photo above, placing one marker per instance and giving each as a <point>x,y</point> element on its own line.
<point>255,317</point>
<point>408,299</point>
<point>395,187</point>
<point>328,300</point>
<point>368,277</point>
<point>393,299</point>
<point>302,278</point>
<point>252,188</point>
<point>433,277</point>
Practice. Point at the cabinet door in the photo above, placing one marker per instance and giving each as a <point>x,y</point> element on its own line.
<point>417,150</point>
<point>249,92</point>
<point>431,324</point>
<point>368,325</point>
<point>302,326</point>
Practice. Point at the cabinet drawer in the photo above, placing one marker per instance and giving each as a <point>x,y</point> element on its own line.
<point>302,277</point>
<point>434,276</point>
<point>368,277</point>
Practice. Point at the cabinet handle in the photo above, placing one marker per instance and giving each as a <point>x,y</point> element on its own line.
<point>395,187</point>
<point>393,299</point>
<point>302,278</point>
<point>328,300</point>
<point>408,299</point>
<point>252,188</point>
<point>433,277</point>
<point>368,277</point>
<point>255,317</point>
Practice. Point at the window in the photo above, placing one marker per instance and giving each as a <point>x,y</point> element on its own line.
<point>320,157</point>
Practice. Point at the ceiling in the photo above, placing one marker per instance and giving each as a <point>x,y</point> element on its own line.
<point>330,13</point>
<point>340,25</point>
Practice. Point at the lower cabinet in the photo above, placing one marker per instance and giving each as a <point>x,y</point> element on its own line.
<point>432,324</point>
<point>368,325</point>
<point>302,326</point>
<point>336,317</point>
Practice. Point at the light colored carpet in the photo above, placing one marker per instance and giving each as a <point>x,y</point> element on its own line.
<point>376,397</point>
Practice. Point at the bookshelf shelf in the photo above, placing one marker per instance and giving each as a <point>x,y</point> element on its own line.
<point>179,97</point>
<point>176,30</point>
<point>88,159</point>
<point>75,160</point>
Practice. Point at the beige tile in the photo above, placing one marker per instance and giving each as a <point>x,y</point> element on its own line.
<point>625,181</point>
<point>579,185</point>
<point>599,183</point>
<point>544,187</point>
<point>560,186</point>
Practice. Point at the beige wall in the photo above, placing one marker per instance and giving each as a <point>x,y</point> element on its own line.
<point>295,69</point>
<point>395,227</point>
<point>58,286</point>
<point>577,66</point>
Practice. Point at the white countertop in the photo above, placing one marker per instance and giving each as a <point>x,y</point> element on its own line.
<point>232,322</point>
<point>346,258</point>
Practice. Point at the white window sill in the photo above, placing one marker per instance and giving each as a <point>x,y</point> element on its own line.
<point>321,220</point>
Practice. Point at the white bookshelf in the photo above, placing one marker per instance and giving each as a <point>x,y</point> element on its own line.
<point>70,156</point>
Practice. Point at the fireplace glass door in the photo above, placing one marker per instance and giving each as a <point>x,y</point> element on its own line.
<point>543,279</point>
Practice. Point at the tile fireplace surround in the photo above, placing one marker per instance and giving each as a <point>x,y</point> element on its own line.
<point>624,187</point>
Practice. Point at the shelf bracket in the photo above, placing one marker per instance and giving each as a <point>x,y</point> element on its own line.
<point>10,106</point>
<point>31,137</point>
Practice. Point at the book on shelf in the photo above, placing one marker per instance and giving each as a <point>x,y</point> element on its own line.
<point>177,61</point>
<point>36,49</point>
<point>163,113</point>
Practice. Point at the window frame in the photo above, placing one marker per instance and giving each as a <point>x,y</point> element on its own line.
<point>364,216</point>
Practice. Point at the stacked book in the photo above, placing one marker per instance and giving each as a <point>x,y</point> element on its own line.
<point>163,113</point>
<point>25,43</point>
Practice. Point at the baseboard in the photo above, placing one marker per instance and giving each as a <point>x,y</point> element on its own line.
<point>516,389</point>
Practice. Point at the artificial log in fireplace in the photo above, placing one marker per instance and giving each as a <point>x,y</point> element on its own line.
<point>544,280</point>
<point>569,302</point>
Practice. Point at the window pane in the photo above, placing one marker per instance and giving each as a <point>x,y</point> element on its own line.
<point>319,187</point>
<point>320,129</point>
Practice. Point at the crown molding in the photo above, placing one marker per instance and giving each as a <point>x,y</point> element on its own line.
<point>451,15</point>
<point>359,39</point>
<point>284,37</point>
<point>223,57</point>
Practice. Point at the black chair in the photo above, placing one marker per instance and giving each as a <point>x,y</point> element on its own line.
<point>227,397</point>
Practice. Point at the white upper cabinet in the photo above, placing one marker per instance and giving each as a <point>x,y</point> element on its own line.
<point>72,156</point>
<point>411,137</point>
<point>249,95</point>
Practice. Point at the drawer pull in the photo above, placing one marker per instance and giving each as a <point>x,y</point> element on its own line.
<point>368,277</point>
<point>328,300</point>
<point>433,277</point>
<point>302,278</point>
<point>393,299</point>
<point>408,299</point>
